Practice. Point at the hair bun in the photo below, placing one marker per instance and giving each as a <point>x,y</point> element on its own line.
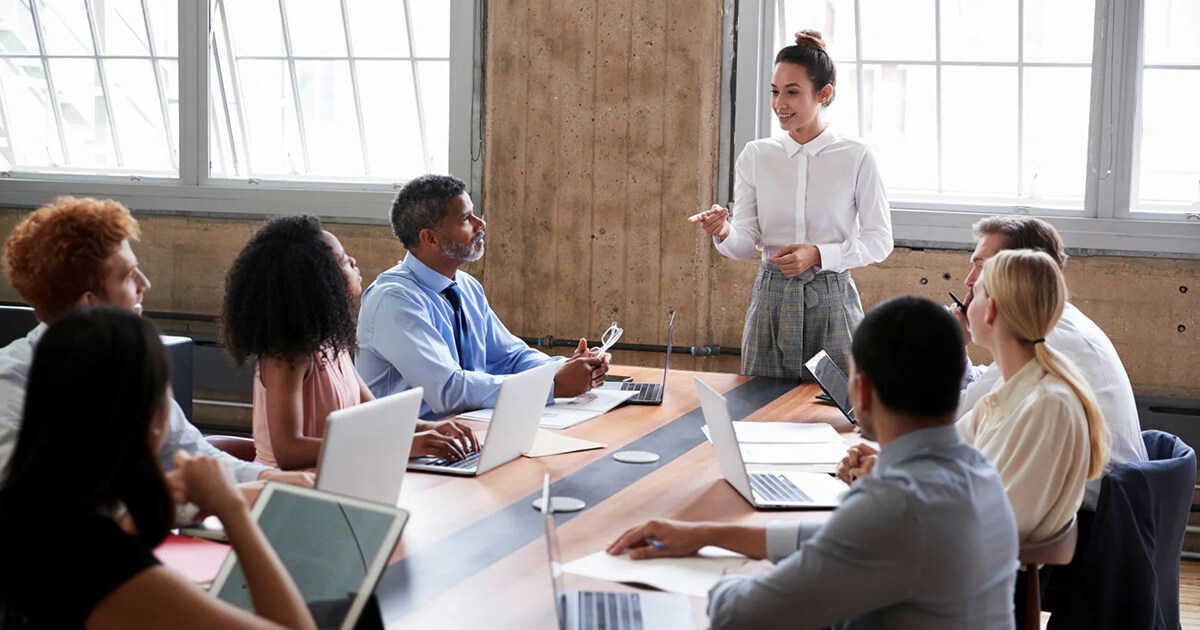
<point>810,39</point>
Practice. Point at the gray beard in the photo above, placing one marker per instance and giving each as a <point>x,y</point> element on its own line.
<point>464,252</point>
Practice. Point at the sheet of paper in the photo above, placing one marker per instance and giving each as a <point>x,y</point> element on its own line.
<point>547,443</point>
<point>550,443</point>
<point>198,560</point>
<point>692,576</point>
<point>568,412</point>
<point>820,453</point>
<point>782,432</point>
<point>601,400</point>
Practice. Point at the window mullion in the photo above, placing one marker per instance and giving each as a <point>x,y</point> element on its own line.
<point>1129,90</point>
<point>52,92</point>
<point>1021,101</point>
<point>9,148</point>
<point>858,76</point>
<point>412,52</point>
<point>291,62</point>
<point>103,74</point>
<point>358,113</point>
<point>1119,33</point>
<point>937,42</point>
<point>192,33</point>
<point>235,79</point>
<point>158,84</point>
<point>765,52</point>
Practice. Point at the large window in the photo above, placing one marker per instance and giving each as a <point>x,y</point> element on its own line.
<point>230,100</point>
<point>89,87</point>
<point>1076,109</point>
<point>307,89</point>
<point>1167,163</point>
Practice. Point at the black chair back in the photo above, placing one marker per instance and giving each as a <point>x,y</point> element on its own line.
<point>15,322</point>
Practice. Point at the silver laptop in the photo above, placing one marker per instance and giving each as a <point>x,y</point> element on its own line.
<point>649,393</point>
<point>334,547</point>
<point>782,490</point>
<point>365,448</point>
<point>603,610</point>
<point>833,382</point>
<point>363,454</point>
<point>513,427</point>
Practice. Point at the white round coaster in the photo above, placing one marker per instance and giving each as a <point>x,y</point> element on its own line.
<point>561,504</point>
<point>636,457</point>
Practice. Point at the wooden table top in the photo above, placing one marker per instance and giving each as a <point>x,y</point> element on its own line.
<point>473,554</point>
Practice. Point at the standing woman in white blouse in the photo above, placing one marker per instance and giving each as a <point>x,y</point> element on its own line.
<point>812,202</point>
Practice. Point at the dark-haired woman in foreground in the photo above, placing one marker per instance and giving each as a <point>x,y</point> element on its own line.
<point>813,203</point>
<point>289,303</point>
<point>85,501</point>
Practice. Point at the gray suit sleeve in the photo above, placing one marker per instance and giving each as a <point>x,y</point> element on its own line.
<point>184,436</point>
<point>864,558</point>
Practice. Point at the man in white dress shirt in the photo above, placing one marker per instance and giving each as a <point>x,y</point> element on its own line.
<point>75,253</point>
<point>1075,335</point>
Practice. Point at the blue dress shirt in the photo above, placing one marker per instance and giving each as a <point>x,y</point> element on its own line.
<point>406,340</point>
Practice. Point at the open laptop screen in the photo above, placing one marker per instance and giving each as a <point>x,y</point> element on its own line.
<point>556,570</point>
<point>831,379</point>
<point>334,547</point>
<point>670,342</point>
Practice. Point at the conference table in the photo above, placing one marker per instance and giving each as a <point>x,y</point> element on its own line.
<point>473,554</point>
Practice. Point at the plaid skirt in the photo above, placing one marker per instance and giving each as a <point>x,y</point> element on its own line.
<point>791,319</point>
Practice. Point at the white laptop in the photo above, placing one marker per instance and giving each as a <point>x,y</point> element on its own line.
<point>334,547</point>
<point>766,490</point>
<point>365,449</point>
<point>514,425</point>
<point>648,393</point>
<point>602,610</point>
<point>363,454</point>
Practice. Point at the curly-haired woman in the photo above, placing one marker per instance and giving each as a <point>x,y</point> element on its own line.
<point>289,303</point>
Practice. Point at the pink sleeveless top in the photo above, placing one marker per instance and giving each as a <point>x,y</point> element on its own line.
<point>328,386</point>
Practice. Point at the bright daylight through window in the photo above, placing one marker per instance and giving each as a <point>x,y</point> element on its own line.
<point>979,104</point>
<point>337,91</point>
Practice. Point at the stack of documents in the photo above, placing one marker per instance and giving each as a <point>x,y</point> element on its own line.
<point>568,412</point>
<point>693,575</point>
<point>789,443</point>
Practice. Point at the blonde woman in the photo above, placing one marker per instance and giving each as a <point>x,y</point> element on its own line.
<point>1040,425</point>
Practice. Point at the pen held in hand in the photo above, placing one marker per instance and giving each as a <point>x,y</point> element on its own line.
<point>958,303</point>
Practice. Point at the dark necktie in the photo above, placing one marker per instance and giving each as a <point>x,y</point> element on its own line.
<point>460,322</point>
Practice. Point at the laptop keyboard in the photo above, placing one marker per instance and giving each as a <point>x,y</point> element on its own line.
<point>646,392</point>
<point>467,463</point>
<point>609,611</point>
<point>775,488</point>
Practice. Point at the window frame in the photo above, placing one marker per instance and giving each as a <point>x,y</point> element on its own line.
<point>1107,224</point>
<point>194,191</point>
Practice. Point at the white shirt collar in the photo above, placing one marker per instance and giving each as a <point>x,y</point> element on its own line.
<point>812,147</point>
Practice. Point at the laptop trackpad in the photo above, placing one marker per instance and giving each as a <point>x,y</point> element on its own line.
<point>666,611</point>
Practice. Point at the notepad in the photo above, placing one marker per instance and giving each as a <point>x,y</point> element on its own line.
<point>782,432</point>
<point>568,412</point>
<point>693,575</point>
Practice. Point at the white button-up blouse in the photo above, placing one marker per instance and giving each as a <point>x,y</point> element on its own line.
<point>826,193</point>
